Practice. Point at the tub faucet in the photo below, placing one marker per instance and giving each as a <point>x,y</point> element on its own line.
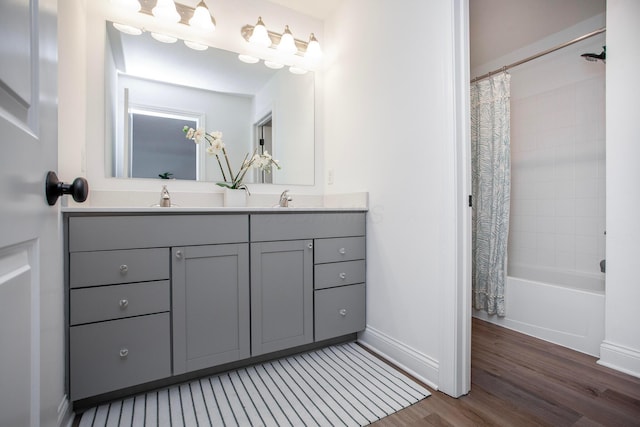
<point>285,198</point>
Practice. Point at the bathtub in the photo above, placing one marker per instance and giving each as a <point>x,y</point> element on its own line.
<point>560,307</point>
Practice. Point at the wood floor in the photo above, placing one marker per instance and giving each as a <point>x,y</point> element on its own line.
<point>517,380</point>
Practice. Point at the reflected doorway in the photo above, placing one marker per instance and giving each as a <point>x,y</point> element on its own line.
<point>264,133</point>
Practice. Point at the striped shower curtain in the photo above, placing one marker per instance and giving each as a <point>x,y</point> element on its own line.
<point>491,184</point>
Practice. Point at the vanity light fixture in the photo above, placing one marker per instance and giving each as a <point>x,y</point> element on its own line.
<point>202,18</point>
<point>165,11</point>
<point>288,50</point>
<point>169,12</point>
<point>260,35</point>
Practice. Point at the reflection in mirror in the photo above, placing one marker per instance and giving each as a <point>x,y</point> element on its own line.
<point>154,89</point>
<point>158,149</point>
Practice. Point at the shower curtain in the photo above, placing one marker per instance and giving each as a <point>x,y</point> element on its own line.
<point>491,184</point>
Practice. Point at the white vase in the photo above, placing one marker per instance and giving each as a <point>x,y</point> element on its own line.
<point>235,198</point>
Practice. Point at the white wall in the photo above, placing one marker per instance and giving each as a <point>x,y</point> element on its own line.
<point>621,348</point>
<point>389,127</point>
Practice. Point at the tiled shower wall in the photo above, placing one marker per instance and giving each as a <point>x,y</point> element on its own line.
<point>558,169</point>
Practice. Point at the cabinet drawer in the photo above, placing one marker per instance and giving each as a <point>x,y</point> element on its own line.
<point>342,249</point>
<point>339,311</point>
<point>112,267</point>
<point>103,233</point>
<point>339,274</point>
<point>294,226</point>
<point>118,301</point>
<point>111,355</point>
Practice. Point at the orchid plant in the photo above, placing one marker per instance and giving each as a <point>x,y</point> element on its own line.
<point>216,147</point>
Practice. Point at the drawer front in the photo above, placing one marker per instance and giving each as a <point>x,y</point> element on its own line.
<point>339,274</point>
<point>297,226</point>
<point>112,355</point>
<point>339,311</point>
<point>336,250</point>
<point>112,267</point>
<point>95,233</point>
<point>118,301</point>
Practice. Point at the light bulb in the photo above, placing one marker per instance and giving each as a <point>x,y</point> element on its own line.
<point>297,70</point>
<point>260,35</point>
<point>164,38</point>
<point>201,18</point>
<point>313,52</point>
<point>273,65</point>
<point>165,11</point>
<point>248,59</point>
<point>130,5</point>
<point>287,44</point>
<point>127,29</point>
<point>196,45</point>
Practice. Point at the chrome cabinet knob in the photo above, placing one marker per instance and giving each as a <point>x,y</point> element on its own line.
<point>343,312</point>
<point>342,251</point>
<point>124,352</point>
<point>179,254</point>
<point>343,275</point>
<point>310,245</point>
<point>124,268</point>
<point>124,303</point>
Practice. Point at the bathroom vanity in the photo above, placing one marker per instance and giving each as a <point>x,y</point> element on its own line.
<point>154,294</point>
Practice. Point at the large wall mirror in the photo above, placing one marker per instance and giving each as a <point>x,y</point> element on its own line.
<point>153,89</point>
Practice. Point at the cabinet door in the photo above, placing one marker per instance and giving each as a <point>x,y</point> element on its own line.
<point>210,305</point>
<point>281,295</point>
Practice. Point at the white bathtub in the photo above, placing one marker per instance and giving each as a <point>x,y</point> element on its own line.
<point>556,306</point>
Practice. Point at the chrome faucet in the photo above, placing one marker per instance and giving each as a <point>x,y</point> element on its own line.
<point>285,198</point>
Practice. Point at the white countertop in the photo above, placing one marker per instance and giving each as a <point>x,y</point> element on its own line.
<point>219,209</point>
<point>107,202</point>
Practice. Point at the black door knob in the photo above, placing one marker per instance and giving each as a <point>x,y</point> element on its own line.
<point>79,189</point>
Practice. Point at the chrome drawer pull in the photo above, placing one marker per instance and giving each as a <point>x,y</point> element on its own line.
<point>124,268</point>
<point>124,352</point>
<point>310,245</point>
<point>342,251</point>
<point>343,312</point>
<point>124,303</point>
<point>343,276</point>
<point>178,254</point>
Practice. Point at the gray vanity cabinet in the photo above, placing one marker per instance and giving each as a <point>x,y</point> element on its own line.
<point>152,296</point>
<point>286,297</point>
<point>339,297</point>
<point>281,295</point>
<point>119,332</point>
<point>210,305</point>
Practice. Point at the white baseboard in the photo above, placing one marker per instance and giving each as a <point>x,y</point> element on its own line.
<point>415,363</point>
<point>620,358</point>
<point>65,414</point>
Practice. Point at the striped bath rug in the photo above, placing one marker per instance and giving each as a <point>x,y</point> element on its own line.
<point>341,385</point>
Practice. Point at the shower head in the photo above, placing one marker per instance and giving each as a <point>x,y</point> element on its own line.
<point>593,57</point>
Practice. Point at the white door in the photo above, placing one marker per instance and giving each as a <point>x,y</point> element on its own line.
<point>31,292</point>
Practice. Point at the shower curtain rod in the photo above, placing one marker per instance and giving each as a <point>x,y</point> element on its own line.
<point>538,55</point>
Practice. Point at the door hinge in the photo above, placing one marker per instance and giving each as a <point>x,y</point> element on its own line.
<point>470,200</point>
